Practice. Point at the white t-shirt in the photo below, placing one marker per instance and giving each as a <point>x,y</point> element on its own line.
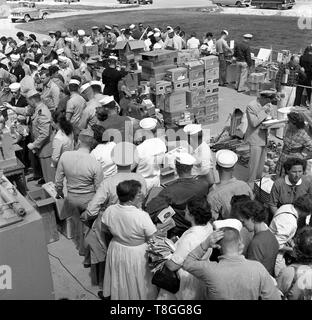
<point>193,43</point>
<point>102,153</point>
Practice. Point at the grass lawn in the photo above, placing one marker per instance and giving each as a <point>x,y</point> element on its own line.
<point>279,32</point>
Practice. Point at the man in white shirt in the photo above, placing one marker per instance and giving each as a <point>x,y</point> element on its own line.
<point>159,44</point>
<point>284,225</point>
<point>173,41</point>
<point>151,153</point>
<point>193,42</point>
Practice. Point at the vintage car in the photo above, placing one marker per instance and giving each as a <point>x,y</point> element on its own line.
<point>27,11</point>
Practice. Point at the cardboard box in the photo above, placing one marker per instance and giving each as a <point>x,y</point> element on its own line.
<point>211,81</point>
<point>178,118</point>
<point>187,55</point>
<point>204,120</point>
<point>210,62</point>
<point>92,50</point>
<point>256,77</point>
<point>212,99</point>
<point>195,97</point>
<point>196,84</point>
<point>212,73</point>
<point>160,55</point>
<point>158,100</point>
<point>195,74</point>
<point>161,87</point>
<point>176,74</point>
<point>152,64</point>
<point>175,102</point>
<point>195,65</point>
<point>132,80</point>
<point>155,78</point>
<point>212,89</point>
<point>181,85</point>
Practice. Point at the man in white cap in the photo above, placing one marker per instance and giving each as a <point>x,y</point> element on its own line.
<point>75,105</point>
<point>203,168</point>
<point>159,44</point>
<point>50,94</point>
<point>147,42</point>
<point>65,71</point>
<point>110,78</point>
<point>80,42</point>
<point>233,277</point>
<point>222,50</point>
<point>41,129</point>
<point>258,111</point>
<point>173,41</point>
<point>17,100</point>
<point>88,117</point>
<point>68,48</point>
<point>83,175</point>
<point>96,37</point>
<point>52,38</point>
<point>243,60</point>
<point>151,153</point>
<point>220,194</point>
<point>17,69</point>
<point>178,193</point>
<point>46,47</point>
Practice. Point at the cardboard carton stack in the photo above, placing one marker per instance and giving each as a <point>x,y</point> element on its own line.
<point>256,82</point>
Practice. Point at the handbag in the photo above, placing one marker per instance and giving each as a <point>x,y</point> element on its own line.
<point>166,279</point>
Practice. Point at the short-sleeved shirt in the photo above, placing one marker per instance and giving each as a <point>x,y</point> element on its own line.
<point>264,248</point>
<point>203,163</point>
<point>75,106</point>
<point>283,192</point>
<point>128,224</point>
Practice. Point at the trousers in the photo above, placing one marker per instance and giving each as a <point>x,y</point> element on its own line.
<point>222,69</point>
<point>241,77</point>
<point>290,94</point>
<point>256,162</point>
<point>47,170</point>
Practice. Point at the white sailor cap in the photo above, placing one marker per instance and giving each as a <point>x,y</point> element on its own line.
<point>64,34</point>
<point>228,223</point>
<point>97,83</point>
<point>226,32</point>
<point>84,87</point>
<point>34,64</point>
<point>185,158</point>
<point>62,59</point>
<point>150,33</point>
<point>46,40</point>
<point>122,29</point>
<point>59,51</point>
<point>148,123</point>
<point>31,93</point>
<point>169,27</point>
<point>54,62</point>
<point>51,32</point>
<point>157,46</point>
<point>44,66</point>
<point>157,34</point>
<point>226,158</point>
<point>124,154</point>
<point>132,26</point>
<point>69,39</point>
<point>113,57</point>
<point>156,30</point>
<point>106,100</point>
<point>95,28</point>
<point>15,57</point>
<point>192,128</point>
<point>248,36</point>
<point>108,27</point>
<point>81,33</point>
<point>21,43</point>
<point>74,81</point>
<point>14,86</point>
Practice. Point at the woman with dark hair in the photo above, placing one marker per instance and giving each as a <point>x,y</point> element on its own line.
<point>286,221</point>
<point>305,80</point>
<point>64,137</point>
<point>264,246</point>
<point>294,281</point>
<point>286,190</point>
<point>198,213</point>
<point>297,142</point>
<point>102,152</point>
<point>127,275</point>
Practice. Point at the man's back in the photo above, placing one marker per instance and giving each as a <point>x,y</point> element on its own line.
<point>234,278</point>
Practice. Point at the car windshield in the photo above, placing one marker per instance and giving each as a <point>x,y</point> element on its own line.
<point>24,4</point>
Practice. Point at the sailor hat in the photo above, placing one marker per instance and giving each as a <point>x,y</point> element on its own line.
<point>124,154</point>
<point>226,158</point>
<point>97,83</point>
<point>81,33</point>
<point>226,32</point>
<point>106,100</point>
<point>157,34</point>
<point>59,51</point>
<point>192,128</point>
<point>95,28</point>
<point>150,34</point>
<point>108,27</point>
<point>15,57</point>
<point>248,36</point>
<point>185,158</point>
<point>148,123</point>
<point>132,26</point>
<point>84,87</point>
<point>68,39</point>
<point>113,57</point>
<point>14,87</point>
<point>228,223</point>
<point>62,59</point>
<point>74,81</point>
<point>156,30</point>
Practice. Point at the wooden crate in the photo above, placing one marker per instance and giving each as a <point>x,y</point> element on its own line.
<point>211,81</point>
<point>160,55</point>
<point>196,84</point>
<point>92,50</point>
<point>210,62</point>
<point>176,74</point>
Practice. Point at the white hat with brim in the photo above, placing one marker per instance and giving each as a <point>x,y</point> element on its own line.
<point>62,59</point>
<point>226,158</point>
<point>84,87</point>
<point>156,30</point>
<point>31,93</point>
<point>95,28</point>
<point>34,64</point>
<point>228,223</point>
<point>248,36</point>
<point>132,26</point>
<point>97,83</point>
<point>21,43</point>
<point>124,154</point>
<point>148,123</point>
<point>185,158</point>
<point>74,81</point>
<point>68,39</point>
<point>150,33</point>
<point>15,57</point>
<point>122,29</point>
<point>59,51</point>
<point>226,32</point>
<point>81,33</point>
<point>192,128</point>
<point>14,87</point>
<point>157,46</point>
<point>113,58</point>
<point>106,100</point>
<point>108,27</point>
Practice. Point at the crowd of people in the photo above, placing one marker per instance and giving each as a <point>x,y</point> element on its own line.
<point>228,244</point>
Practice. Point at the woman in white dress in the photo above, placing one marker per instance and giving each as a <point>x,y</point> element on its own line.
<point>102,152</point>
<point>198,213</point>
<point>127,275</point>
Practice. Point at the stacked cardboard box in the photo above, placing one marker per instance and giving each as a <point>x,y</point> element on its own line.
<point>255,82</point>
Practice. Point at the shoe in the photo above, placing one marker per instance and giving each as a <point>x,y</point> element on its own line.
<point>41,181</point>
<point>33,179</point>
<point>87,265</point>
<point>100,295</point>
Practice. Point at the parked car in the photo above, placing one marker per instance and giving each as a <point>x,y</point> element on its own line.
<point>27,11</point>
<point>136,1</point>
<point>237,3</point>
<point>273,4</point>
<point>68,1</point>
